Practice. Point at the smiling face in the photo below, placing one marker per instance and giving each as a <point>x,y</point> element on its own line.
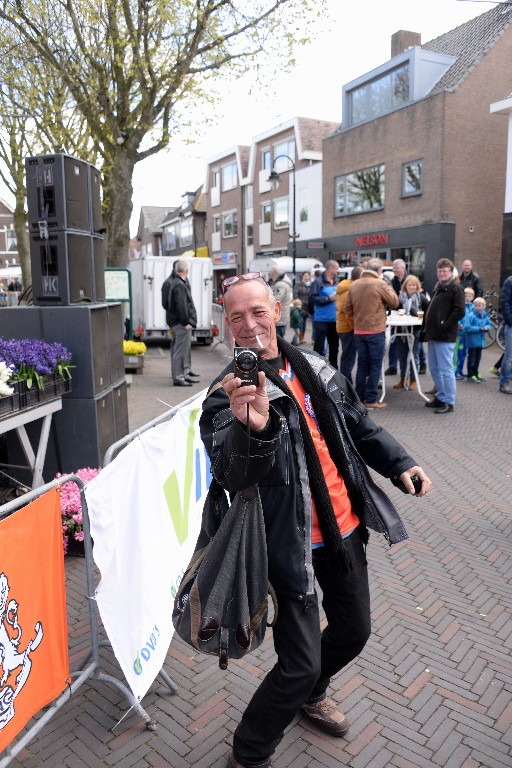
<point>250,313</point>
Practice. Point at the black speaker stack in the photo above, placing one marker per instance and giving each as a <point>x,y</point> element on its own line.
<point>68,284</point>
<point>65,230</point>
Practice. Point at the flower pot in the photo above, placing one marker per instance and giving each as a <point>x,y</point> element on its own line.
<point>10,404</point>
<point>134,363</point>
<point>53,386</point>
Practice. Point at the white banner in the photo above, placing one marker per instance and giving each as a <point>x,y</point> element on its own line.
<point>145,510</point>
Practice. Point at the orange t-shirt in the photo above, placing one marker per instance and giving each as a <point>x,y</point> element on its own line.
<point>346,518</point>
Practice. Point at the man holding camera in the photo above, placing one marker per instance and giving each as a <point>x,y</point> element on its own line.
<point>292,434</point>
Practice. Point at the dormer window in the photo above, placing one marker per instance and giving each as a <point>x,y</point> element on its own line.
<point>379,96</point>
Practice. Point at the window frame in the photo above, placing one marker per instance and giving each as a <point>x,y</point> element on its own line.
<point>233,176</point>
<point>233,215</point>
<point>278,202</point>
<point>405,166</point>
<point>345,179</point>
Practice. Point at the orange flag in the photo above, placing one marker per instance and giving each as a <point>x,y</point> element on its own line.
<point>34,663</point>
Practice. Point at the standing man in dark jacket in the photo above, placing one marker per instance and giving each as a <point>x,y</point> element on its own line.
<point>506,309</point>
<point>322,296</point>
<point>470,279</point>
<point>182,318</point>
<point>293,436</point>
<point>441,322</point>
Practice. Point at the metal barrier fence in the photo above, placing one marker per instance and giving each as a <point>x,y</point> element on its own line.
<point>91,664</point>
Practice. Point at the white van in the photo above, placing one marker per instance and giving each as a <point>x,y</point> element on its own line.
<point>285,264</point>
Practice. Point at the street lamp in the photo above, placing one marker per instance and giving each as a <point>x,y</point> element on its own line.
<point>274,183</point>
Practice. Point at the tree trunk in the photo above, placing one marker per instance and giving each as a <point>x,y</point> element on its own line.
<point>118,194</point>
<point>20,227</point>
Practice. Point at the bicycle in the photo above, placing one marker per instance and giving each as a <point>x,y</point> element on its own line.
<point>496,332</point>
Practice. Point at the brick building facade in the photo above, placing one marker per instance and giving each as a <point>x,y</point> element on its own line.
<point>417,169</point>
<point>246,217</point>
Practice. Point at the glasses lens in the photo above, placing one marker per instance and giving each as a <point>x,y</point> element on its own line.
<point>235,278</point>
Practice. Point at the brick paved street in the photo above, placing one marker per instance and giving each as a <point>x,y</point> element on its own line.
<point>433,687</point>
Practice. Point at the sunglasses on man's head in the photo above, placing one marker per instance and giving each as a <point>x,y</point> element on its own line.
<point>229,281</point>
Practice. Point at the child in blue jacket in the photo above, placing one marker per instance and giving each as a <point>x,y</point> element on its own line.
<point>461,346</point>
<point>476,323</point>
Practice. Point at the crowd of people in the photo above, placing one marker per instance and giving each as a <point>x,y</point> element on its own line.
<point>349,326</point>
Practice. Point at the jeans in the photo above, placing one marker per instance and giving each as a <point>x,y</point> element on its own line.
<point>440,362</point>
<point>370,352</point>
<point>281,330</point>
<point>474,357</point>
<point>348,354</point>
<point>506,365</point>
<point>327,331</point>
<point>393,355</point>
<point>307,657</point>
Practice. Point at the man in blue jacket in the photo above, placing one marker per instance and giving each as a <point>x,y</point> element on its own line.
<point>506,309</point>
<point>305,438</point>
<point>322,296</point>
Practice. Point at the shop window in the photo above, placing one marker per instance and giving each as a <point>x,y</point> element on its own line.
<point>170,238</point>
<point>414,258</point>
<point>186,228</point>
<point>412,178</point>
<point>360,191</point>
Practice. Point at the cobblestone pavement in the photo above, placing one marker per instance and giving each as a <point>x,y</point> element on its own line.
<point>433,687</point>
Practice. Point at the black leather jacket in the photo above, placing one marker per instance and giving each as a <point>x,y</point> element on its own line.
<point>181,306</point>
<point>276,461</point>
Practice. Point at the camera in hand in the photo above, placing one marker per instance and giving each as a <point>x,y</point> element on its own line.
<point>416,481</point>
<point>246,365</point>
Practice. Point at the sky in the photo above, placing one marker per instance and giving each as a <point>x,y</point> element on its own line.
<point>351,40</point>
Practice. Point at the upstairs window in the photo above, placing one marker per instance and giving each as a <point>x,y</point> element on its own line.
<point>360,191</point>
<point>230,224</point>
<point>412,178</point>
<point>284,148</point>
<point>281,217</point>
<point>229,177</point>
<point>382,95</point>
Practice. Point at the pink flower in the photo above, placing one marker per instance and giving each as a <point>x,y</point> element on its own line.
<point>71,505</point>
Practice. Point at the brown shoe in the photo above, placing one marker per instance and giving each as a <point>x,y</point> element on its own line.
<point>233,762</point>
<point>376,405</point>
<point>412,384</point>
<point>326,715</point>
<point>399,384</point>
<point>432,391</point>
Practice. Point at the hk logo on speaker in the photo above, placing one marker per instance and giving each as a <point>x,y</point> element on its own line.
<point>50,286</point>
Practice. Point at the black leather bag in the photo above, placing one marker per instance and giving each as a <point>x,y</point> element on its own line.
<point>221,607</point>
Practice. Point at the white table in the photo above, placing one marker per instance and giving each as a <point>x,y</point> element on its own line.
<point>18,420</point>
<point>400,326</point>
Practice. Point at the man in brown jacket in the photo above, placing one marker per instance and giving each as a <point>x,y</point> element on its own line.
<point>367,301</point>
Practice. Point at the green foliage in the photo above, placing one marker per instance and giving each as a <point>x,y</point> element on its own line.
<point>123,73</point>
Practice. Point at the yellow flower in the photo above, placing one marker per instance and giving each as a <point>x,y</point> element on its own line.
<point>133,347</point>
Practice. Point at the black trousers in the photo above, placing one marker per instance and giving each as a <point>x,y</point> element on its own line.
<point>306,657</point>
<point>326,332</point>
